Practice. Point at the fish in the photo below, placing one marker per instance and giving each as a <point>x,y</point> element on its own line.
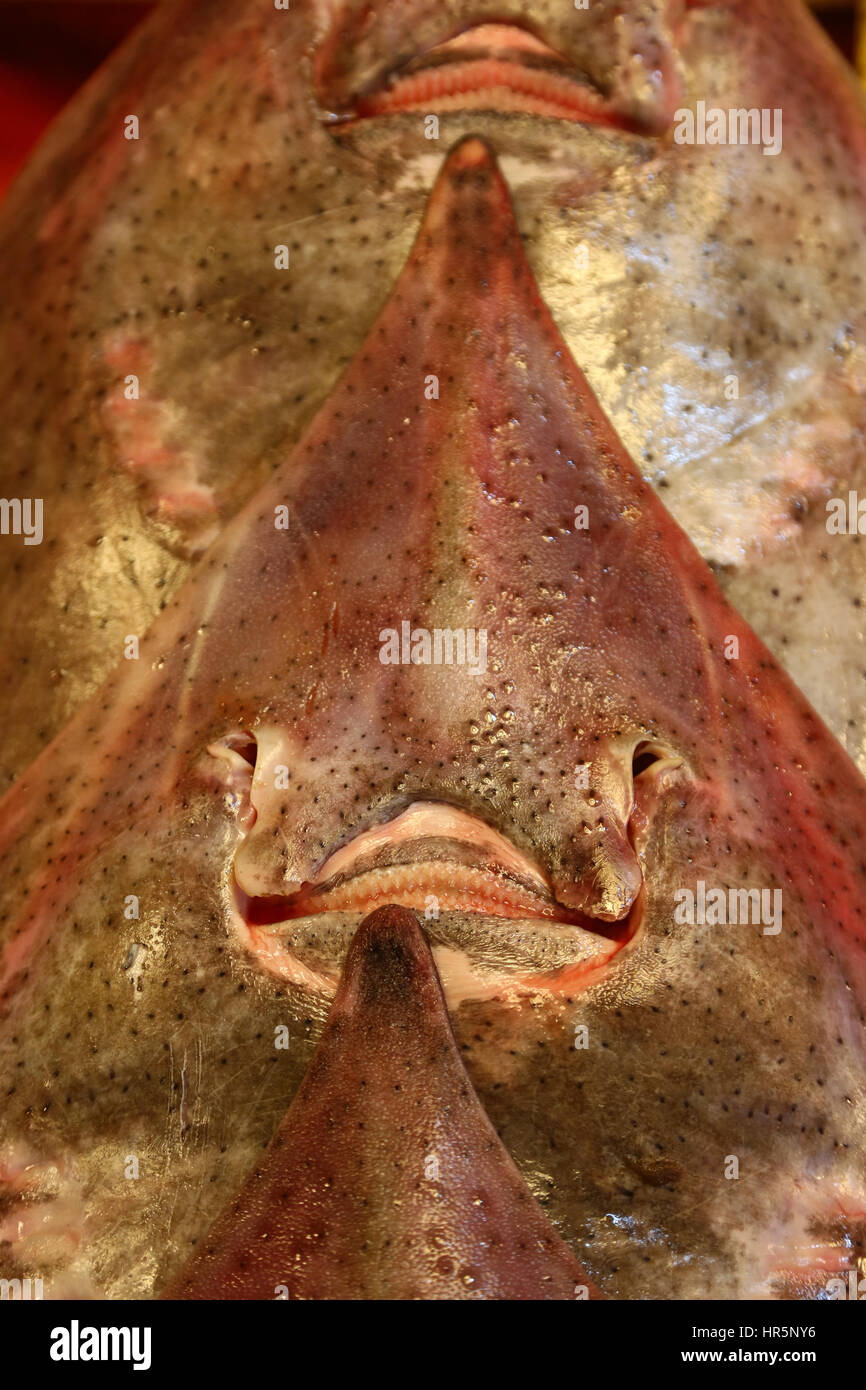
<point>594,813</point>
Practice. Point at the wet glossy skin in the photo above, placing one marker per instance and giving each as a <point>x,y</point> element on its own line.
<point>187,1077</point>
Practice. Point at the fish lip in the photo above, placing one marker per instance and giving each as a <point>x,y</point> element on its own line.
<point>516,79</point>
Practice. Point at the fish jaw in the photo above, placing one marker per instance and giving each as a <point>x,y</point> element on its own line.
<point>385,1180</point>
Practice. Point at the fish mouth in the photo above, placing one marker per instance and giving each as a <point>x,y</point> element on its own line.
<point>490,915</point>
<point>500,67</point>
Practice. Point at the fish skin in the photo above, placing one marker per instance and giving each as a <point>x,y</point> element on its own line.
<point>344,1203</point>
<point>704,1042</point>
<point>156,257</point>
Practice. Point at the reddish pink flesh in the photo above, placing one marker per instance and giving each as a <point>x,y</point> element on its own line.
<point>490,82</point>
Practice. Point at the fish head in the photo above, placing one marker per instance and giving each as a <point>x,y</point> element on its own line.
<point>453,656</point>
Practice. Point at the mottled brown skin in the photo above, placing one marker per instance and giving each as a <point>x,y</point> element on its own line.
<point>385,1179</point>
<point>704,1042</point>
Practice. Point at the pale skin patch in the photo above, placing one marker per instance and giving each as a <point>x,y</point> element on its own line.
<point>145,429</point>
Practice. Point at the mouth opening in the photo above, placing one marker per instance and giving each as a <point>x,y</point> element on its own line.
<point>490,913</point>
<point>430,857</point>
<point>423,882</point>
<point>487,67</point>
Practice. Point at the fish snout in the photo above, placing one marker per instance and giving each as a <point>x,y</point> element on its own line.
<point>386,1178</point>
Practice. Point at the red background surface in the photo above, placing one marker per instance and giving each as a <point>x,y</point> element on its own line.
<point>47,49</point>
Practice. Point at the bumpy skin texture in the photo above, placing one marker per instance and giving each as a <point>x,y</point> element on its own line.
<point>386,1179</point>
<point>705,1042</point>
<point>155,257</point>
